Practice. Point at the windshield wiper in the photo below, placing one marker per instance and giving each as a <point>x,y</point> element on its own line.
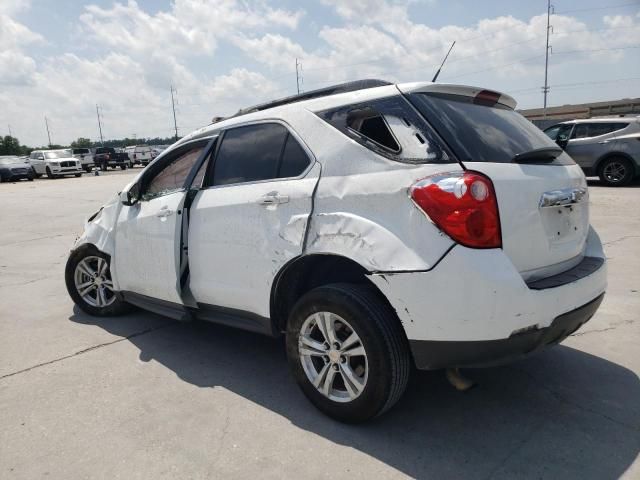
<point>544,154</point>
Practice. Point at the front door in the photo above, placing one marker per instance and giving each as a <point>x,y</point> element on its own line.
<point>148,233</point>
<point>250,218</point>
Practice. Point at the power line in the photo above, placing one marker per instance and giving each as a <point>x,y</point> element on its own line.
<point>597,49</point>
<point>606,7</point>
<point>576,84</point>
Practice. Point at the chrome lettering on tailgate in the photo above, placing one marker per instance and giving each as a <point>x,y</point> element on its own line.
<point>565,196</point>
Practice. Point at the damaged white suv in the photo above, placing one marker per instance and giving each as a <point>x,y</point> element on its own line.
<point>375,225</point>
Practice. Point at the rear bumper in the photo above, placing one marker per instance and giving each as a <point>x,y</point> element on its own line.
<point>430,355</point>
<point>478,296</point>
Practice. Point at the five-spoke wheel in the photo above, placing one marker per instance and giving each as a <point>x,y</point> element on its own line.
<point>347,351</point>
<point>333,357</point>
<point>89,282</point>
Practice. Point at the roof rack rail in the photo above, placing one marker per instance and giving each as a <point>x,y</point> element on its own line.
<point>321,92</point>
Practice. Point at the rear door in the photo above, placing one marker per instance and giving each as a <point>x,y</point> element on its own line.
<point>540,239</point>
<point>250,218</point>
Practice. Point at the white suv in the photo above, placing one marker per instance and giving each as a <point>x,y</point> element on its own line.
<point>55,163</point>
<point>375,225</point>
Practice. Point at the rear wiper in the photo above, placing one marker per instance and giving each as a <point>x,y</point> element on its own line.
<point>544,154</point>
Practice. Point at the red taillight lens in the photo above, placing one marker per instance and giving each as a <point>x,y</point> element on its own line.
<point>463,205</point>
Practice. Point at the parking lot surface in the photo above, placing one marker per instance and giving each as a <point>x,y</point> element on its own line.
<point>141,396</point>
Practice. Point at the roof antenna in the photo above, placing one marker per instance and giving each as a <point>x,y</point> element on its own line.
<point>435,77</point>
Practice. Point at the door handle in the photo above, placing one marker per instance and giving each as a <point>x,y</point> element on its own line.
<point>273,199</point>
<point>164,213</point>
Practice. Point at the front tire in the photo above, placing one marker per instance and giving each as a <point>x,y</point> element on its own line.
<point>616,172</point>
<point>50,173</point>
<point>88,280</point>
<point>347,351</point>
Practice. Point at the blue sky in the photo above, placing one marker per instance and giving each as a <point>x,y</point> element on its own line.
<point>60,58</point>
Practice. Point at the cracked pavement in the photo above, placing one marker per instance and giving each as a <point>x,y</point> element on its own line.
<point>141,396</point>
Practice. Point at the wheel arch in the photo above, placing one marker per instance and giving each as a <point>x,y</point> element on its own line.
<point>307,272</point>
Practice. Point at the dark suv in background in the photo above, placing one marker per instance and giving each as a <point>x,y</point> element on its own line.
<point>606,147</point>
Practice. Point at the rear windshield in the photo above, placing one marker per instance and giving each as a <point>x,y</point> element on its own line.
<point>479,132</point>
<point>80,150</point>
<point>105,150</point>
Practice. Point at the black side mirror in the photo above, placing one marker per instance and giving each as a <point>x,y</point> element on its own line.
<point>562,141</point>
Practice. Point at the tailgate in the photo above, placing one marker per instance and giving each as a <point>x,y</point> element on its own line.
<point>542,194</point>
<point>544,216</point>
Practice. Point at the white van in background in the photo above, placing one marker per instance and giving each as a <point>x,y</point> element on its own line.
<point>139,155</point>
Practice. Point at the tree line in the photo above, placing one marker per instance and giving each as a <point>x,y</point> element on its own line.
<point>11,145</point>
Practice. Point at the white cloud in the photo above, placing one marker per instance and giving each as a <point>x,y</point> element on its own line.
<point>135,55</point>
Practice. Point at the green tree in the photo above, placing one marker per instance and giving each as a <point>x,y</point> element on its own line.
<point>81,142</point>
<point>10,146</point>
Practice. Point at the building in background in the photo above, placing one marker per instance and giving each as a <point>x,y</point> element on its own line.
<point>626,106</point>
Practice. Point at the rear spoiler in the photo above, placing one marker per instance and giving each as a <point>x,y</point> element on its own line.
<point>474,92</point>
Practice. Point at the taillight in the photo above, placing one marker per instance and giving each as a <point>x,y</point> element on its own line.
<point>463,205</point>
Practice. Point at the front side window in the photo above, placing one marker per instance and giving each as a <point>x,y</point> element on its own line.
<point>391,128</point>
<point>581,131</point>
<point>249,154</point>
<point>172,177</point>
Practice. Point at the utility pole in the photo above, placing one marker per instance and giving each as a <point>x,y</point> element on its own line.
<point>298,75</point>
<point>10,134</point>
<point>99,125</point>
<point>435,77</point>
<point>46,122</point>
<point>173,105</point>
<point>545,89</point>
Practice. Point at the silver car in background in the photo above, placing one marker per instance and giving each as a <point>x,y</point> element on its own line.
<point>606,147</point>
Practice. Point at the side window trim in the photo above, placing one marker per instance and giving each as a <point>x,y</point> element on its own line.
<point>206,152</point>
<point>208,176</point>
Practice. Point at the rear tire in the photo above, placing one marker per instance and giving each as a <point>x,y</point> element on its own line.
<point>616,172</point>
<point>88,279</point>
<point>123,167</point>
<point>87,169</point>
<point>356,386</point>
<point>78,175</point>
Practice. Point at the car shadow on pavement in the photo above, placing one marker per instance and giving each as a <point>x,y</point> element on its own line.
<point>561,414</point>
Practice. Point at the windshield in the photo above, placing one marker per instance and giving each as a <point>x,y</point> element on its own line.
<point>10,160</point>
<point>105,150</point>
<point>478,132</point>
<point>81,150</point>
<point>58,154</point>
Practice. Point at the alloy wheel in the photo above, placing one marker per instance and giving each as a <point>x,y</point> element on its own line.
<point>93,282</point>
<point>333,356</point>
<point>615,171</point>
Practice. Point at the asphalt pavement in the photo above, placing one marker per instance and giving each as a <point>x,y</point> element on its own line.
<point>141,396</point>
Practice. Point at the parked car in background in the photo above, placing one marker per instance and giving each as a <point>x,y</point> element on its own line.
<point>55,163</point>
<point>139,155</point>
<point>86,158</point>
<point>105,157</point>
<point>606,147</point>
<point>15,168</point>
<point>158,149</point>
<point>373,225</point>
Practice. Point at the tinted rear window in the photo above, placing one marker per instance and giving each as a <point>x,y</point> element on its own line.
<point>478,132</point>
<point>80,150</point>
<point>249,154</point>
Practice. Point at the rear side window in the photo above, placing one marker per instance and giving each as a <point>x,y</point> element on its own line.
<point>258,152</point>
<point>294,159</point>
<point>80,150</point>
<point>391,128</point>
<point>481,132</point>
